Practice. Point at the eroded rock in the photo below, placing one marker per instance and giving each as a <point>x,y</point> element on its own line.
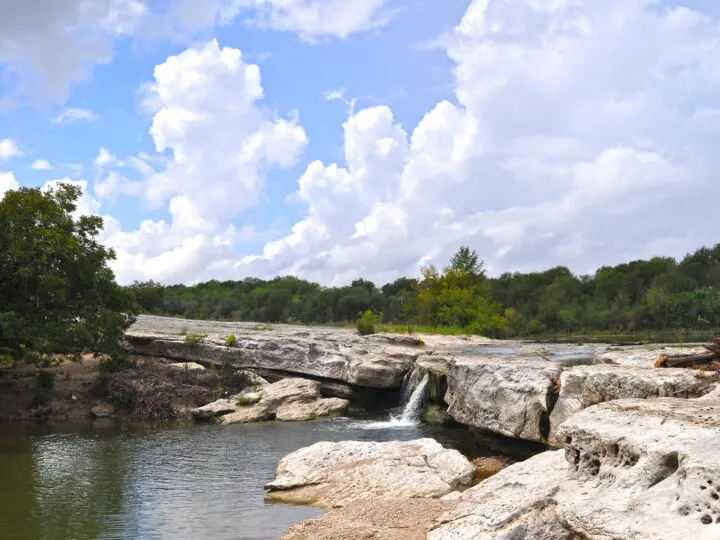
<point>510,397</point>
<point>331,474</point>
<point>584,386</point>
<point>287,400</point>
<point>640,356</point>
<point>329,353</point>
<point>644,469</point>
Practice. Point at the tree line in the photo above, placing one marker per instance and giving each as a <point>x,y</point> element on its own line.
<point>656,294</point>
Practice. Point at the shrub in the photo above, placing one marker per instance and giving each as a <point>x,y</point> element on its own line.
<point>262,327</point>
<point>45,380</point>
<point>242,401</point>
<point>368,322</point>
<point>230,340</point>
<point>193,339</point>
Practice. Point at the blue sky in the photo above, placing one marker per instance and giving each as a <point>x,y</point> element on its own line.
<point>540,132</point>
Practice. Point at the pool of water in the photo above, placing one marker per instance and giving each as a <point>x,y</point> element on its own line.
<point>564,353</point>
<point>107,481</point>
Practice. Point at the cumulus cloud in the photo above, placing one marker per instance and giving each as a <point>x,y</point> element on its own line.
<point>73,114</point>
<point>581,133</point>
<point>41,165</point>
<point>219,142</point>
<point>9,149</point>
<point>47,45</point>
<point>310,19</point>
<point>7,183</point>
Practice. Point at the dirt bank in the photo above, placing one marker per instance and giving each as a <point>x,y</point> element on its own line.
<point>67,390</point>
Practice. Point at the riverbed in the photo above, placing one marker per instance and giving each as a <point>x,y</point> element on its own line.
<point>107,480</point>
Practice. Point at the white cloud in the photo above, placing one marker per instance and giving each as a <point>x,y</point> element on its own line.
<point>334,95</point>
<point>105,159</point>
<point>578,129</point>
<point>310,19</point>
<point>47,45</point>
<point>9,149</point>
<point>220,141</point>
<point>41,165</point>
<point>73,114</point>
<point>7,183</point>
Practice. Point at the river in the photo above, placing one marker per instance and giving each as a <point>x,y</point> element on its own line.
<point>108,481</point>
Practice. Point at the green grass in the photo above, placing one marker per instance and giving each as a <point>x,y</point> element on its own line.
<point>230,340</point>
<point>194,339</point>
<point>243,401</point>
<point>261,327</point>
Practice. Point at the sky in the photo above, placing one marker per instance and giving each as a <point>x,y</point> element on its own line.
<point>337,139</point>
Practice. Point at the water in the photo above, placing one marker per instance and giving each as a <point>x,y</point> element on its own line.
<point>413,407</point>
<point>107,481</point>
<point>564,353</point>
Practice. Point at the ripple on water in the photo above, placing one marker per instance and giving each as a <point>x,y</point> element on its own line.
<point>192,481</point>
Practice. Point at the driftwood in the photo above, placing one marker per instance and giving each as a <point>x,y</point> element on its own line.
<point>691,360</point>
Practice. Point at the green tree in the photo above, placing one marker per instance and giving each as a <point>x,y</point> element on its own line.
<point>467,261</point>
<point>57,292</point>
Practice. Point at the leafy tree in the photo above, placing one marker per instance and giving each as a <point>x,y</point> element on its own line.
<point>57,292</point>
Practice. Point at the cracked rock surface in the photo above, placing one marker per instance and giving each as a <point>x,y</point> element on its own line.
<point>332,354</point>
<point>509,397</point>
<point>286,400</point>
<point>334,474</point>
<point>631,469</point>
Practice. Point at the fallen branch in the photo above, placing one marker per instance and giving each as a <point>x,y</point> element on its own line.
<point>690,360</point>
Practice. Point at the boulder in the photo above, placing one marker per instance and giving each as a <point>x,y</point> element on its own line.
<point>286,400</point>
<point>334,474</point>
<point>584,386</point>
<point>102,410</point>
<point>640,356</point>
<point>376,519</point>
<point>332,354</point>
<point>516,503</point>
<point>187,366</point>
<point>644,469</point>
<point>510,397</point>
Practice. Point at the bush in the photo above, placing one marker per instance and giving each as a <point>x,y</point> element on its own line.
<point>243,401</point>
<point>45,380</point>
<point>193,339</point>
<point>230,340</point>
<point>368,322</point>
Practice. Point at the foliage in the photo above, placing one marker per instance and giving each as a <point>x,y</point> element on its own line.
<point>230,340</point>
<point>243,401</point>
<point>659,294</point>
<point>193,339</point>
<point>261,328</point>
<point>368,322</point>
<point>57,292</point>
<point>45,380</point>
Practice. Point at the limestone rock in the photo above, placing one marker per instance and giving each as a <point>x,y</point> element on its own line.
<point>583,386</point>
<point>286,400</point>
<point>333,354</point>
<point>638,356</point>
<point>333,474</point>
<point>376,519</point>
<point>644,469</point>
<point>187,366</point>
<point>516,503</point>
<point>214,409</point>
<point>509,397</point>
<point>102,410</point>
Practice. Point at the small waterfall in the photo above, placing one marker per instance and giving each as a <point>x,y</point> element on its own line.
<point>413,407</point>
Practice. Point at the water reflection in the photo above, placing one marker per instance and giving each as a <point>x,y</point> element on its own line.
<point>169,481</point>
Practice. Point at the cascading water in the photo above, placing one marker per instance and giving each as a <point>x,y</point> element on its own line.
<point>413,408</point>
<point>412,402</point>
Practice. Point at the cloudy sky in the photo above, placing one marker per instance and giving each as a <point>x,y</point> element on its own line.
<point>332,139</point>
